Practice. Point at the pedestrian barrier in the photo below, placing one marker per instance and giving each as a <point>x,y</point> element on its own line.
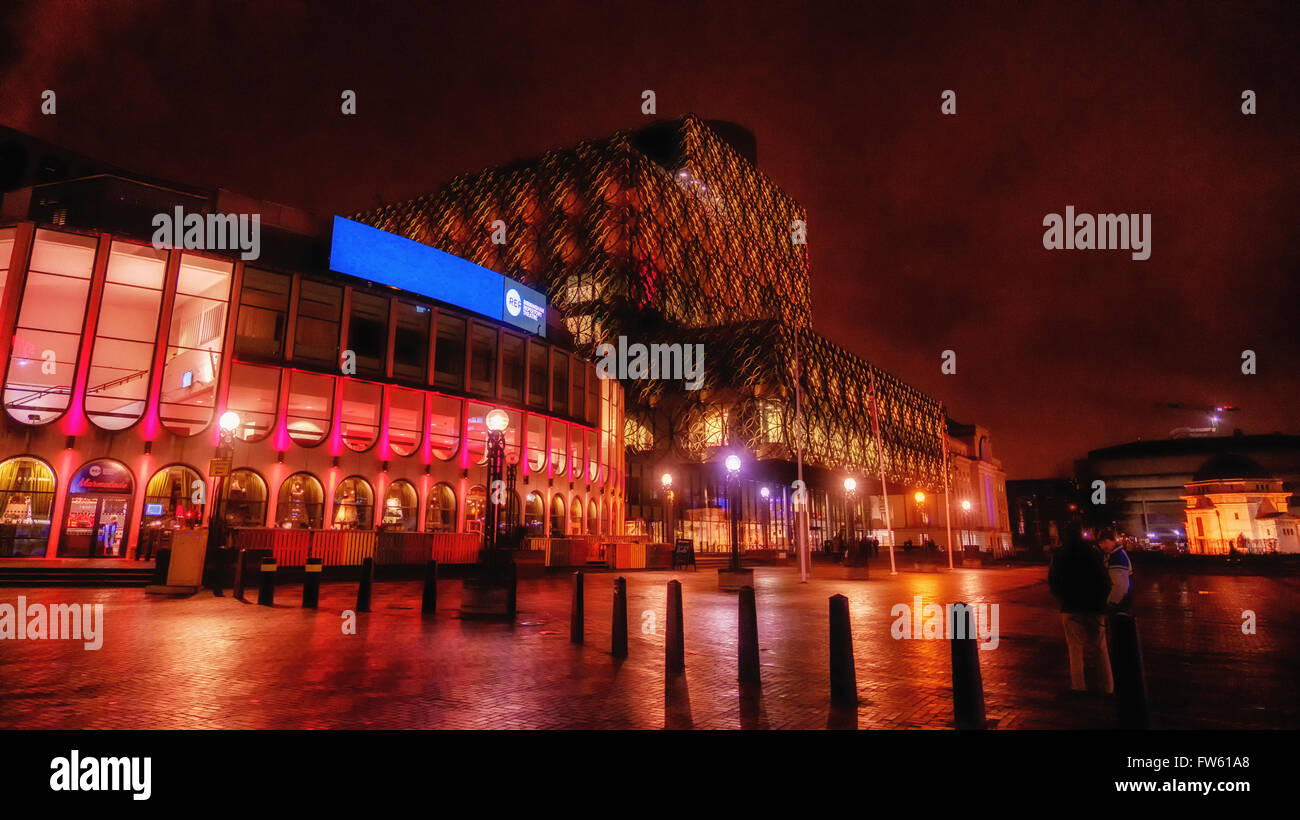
<point>292,547</point>
<point>311,584</point>
<point>747,648</point>
<point>967,684</point>
<point>675,640</point>
<point>576,614</point>
<point>1131,708</point>
<point>429,601</point>
<point>844,676</point>
<point>618,640</point>
<point>367,581</point>
<point>266,585</point>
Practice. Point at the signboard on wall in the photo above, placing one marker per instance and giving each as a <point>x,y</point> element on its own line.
<point>102,476</point>
<point>388,259</point>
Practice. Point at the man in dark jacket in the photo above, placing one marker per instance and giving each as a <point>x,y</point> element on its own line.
<point>1079,580</point>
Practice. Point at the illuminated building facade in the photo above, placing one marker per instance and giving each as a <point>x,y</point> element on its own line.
<point>1233,503</point>
<point>672,235</point>
<point>359,405</point>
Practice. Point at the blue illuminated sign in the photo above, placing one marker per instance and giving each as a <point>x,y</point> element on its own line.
<point>388,259</point>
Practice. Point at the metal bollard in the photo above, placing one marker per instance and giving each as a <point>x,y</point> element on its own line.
<point>311,583</point>
<point>238,589</point>
<point>618,643</point>
<point>747,623</point>
<point>675,640</point>
<point>429,603</point>
<point>844,676</point>
<point>160,566</point>
<point>967,684</point>
<point>367,581</point>
<point>218,577</point>
<point>266,589</point>
<point>1131,708</point>
<point>512,589</point>
<point>576,613</point>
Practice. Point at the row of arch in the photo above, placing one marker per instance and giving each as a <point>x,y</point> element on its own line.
<point>175,498</point>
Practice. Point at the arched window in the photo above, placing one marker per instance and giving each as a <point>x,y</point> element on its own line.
<point>27,489</point>
<point>593,457</point>
<point>122,359</point>
<point>444,426</point>
<point>254,394</point>
<point>535,514</point>
<point>169,499</point>
<point>558,528</point>
<point>99,507</point>
<point>440,515</point>
<point>401,507</point>
<point>194,343</point>
<point>302,502</point>
<point>535,445</point>
<point>475,508</point>
<point>405,420</point>
<point>43,361</point>
<point>359,414</point>
<point>311,405</point>
<point>244,499</point>
<point>575,516</point>
<point>593,519</point>
<point>559,447</point>
<point>576,465</point>
<point>354,505</point>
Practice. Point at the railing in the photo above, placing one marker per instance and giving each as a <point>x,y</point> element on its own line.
<point>292,547</point>
<point>1246,546</point>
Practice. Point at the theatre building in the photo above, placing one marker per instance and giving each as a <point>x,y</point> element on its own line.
<point>353,369</point>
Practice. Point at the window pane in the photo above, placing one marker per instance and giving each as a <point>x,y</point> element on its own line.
<point>301,503</point>
<point>254,392</point>
<point>538,375</point>
<point>122,359</point>
<point>245,499</point>
<point>483,361</point>
<point>536,444</point>
<point>193,362</point>
<point>354,504</point>
<point>170,495</point>
<point>368,332</point>
<point>263,314</point>
<point>559,382</point>
<point>575,516</point>
<point>405,420</point>
<point>449,354</point>
<point>535,515</point>
<point>577,390</point>
<point>476,431</point>
<point>401,507</point>
<point>444,426</point>
<point>316,331</point>
<point>575,452</point>
<point>593,395</point>
<point>475,506</point>
<point>7,241</point>
<point>593,528</point>
<point>43,361</point>
<point>593,456</point>
<point>512,367</point>
<point>26,500</point>
<point>311,403</point>
<point>359,414</point>
<point>558,521</point>
<point>411,342</point>
<point>559,447</point>
<point>441,513</point>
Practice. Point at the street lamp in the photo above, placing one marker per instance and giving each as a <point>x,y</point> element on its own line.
<point>732,464</point>
<point>496,421</point>
<point>767,523</point>
<point>850,484</point>
<point>227,424</point>
<point>667,481</point>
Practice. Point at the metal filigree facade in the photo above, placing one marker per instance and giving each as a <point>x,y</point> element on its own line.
<point>671,235</point>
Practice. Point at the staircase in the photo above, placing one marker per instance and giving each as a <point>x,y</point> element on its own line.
<point>130,575</point>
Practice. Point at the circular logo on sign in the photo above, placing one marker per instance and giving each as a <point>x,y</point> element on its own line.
<point>95,470</point>
<point>513,303</point>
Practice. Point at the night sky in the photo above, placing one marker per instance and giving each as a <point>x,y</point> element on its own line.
<point>925,231</point>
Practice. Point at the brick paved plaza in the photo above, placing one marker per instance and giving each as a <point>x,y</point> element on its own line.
<point>209,662</point>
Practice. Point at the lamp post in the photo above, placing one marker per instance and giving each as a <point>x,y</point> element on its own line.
<point>227,425</point>
<point>767,522</point>
<point>732,464</point>
<point>497,421</point>
<point>965,521</point>
<point>850,485</point>
<point>919,498</point>
<point>667,481</point>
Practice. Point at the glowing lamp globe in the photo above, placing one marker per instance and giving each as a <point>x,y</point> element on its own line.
<point>497,420</point>
<point>965,505</point>
<point>765,492</point>
<point>667,479</point>
<point>850,484</point>
<point>733,463</point>
<point>229,421</point>
<point>919,496</point>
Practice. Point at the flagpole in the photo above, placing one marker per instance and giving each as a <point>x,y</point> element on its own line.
<point>947,483</point>
<point>800,504</point>
<point>880,461</point>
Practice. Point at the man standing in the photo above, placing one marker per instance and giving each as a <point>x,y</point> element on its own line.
<point>1120,570</point>
<point>1078,579</point>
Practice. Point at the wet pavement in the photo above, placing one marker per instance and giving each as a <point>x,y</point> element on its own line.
<point>215,662</point>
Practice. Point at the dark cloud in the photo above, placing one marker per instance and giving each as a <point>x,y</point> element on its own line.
<point>925,230</point>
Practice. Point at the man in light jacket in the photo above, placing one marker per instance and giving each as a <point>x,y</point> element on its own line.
<point>1120,570</point>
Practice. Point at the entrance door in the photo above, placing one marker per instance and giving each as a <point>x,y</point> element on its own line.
<point>99,501</point>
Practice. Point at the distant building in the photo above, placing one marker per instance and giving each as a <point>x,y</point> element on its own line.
<point>1040,510</point>
<point>1146,481</point>
<point>1235,503</point>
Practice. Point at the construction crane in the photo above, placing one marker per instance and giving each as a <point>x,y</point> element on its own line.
<point>1213,414</point>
